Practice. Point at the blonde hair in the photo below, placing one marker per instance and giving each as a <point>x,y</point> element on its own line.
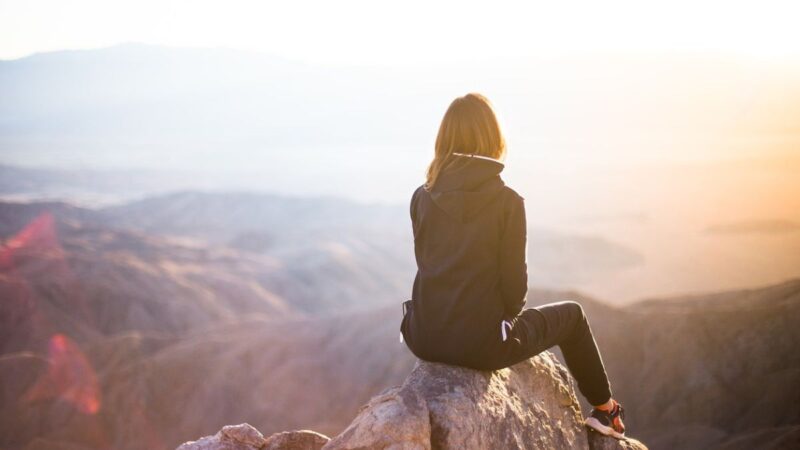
<point>469,126</point>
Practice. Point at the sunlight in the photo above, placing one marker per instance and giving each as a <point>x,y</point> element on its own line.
<point>418,33</point>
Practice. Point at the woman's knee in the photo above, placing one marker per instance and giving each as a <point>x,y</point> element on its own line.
<point>576,309</point>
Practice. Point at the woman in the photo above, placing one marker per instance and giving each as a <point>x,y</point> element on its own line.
<point>471,284</point>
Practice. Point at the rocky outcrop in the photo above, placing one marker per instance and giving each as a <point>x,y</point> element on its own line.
<point>531,405</point>
<point>599,442</point>
<point>245,437</point>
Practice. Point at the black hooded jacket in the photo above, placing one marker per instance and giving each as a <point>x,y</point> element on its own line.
<point>470,247</point>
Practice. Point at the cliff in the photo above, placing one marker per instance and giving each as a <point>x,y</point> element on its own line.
<point>531,405</point>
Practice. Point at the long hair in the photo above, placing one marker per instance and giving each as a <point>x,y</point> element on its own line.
<point>469,126</point>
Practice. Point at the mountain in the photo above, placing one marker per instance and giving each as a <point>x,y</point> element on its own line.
<point>316,373</point>
<point>704,371</point>
<point>91,188</point>
<point>191,103</point>
<point>323,252</point>
<point>156,392</point>
<point>120,326</point>
<point>722,367</point>
<point>60,272</point>
<point>148,100</point>
<point>374,237</point>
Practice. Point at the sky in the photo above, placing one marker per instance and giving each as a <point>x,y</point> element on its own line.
<point>412,32</point>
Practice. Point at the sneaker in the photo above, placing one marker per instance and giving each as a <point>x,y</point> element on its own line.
<point>608,422</point>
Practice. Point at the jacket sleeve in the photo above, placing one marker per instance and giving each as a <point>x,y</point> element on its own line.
<point>513,259</point>
<point>411,205</point>
<point>413,210</point>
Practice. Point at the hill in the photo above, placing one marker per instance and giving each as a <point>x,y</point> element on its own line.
<point>117,336</point>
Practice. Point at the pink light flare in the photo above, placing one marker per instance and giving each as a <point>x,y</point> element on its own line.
<point>69,377</point>
<point>38,238</point>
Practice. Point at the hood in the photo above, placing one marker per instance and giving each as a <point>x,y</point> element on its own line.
<point>467,185</point>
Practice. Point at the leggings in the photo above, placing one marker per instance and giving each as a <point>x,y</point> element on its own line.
<point>563,324</point>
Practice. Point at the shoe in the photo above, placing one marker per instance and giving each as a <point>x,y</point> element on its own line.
<point>608,423</point>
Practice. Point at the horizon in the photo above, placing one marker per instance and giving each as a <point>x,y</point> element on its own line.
<point>789,60</point>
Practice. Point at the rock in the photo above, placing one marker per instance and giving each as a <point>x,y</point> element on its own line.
<point>531,405</point>
<point>296,440</point>
<point>230,437</point>
<point>599,442</point>
<point>245,437</point>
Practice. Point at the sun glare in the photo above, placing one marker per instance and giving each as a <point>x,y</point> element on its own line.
<point>418,33</point>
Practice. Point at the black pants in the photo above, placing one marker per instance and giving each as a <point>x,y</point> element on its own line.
<point>563,324</point>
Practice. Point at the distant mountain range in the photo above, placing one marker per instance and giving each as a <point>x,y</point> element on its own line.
<point>321,268</point>
<point>152,107</point>
<point>144,101</point>
<point>326,235</point>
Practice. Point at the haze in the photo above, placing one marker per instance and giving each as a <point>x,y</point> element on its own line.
<point>671,132</point>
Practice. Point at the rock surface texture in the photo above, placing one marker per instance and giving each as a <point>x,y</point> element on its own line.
<point>245,437</point>
<point>531,405</point>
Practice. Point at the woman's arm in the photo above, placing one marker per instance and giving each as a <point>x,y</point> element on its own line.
<point>513,258</point>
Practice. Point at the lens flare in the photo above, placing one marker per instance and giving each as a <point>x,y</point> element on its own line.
<point>69,377</point>
<point>37,238</point>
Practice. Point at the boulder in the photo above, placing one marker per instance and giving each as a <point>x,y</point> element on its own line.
<point>530,405</point>
<point>296,440</point>
<point>245,437</point>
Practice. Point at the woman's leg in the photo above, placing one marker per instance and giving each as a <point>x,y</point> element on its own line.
<point>565,324</point>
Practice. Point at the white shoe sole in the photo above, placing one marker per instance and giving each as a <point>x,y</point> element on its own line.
<point>602,429</point>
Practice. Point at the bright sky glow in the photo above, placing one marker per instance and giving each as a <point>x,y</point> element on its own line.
<point>409,32</point>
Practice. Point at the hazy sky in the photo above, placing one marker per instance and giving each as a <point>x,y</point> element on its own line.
<point>409,32</point>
